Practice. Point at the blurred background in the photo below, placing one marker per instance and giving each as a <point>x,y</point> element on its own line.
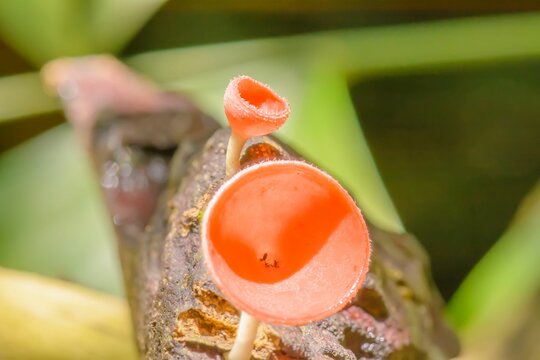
<point>445,96</point>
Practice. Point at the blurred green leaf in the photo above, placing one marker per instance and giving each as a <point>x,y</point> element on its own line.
<point>23,96</point>
<point>52,219</point>
<point>507,277</point>
<point>364,52</point>
<point>370,51</point>
<point>45,30</point>
<point>50,319</point>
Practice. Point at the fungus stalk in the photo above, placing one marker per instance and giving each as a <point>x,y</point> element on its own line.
<point>245,337</point>
<point>234,150</point>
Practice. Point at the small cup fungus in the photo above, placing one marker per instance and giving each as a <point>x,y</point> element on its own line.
<point>252,109</point>
<point>283,241</point>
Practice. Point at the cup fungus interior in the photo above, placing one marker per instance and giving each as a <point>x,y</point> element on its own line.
<point>285,242</point>
<point>252,108</point>
<point>260,96</point>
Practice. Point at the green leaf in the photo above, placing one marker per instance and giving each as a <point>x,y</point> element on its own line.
<point>52,218</point>
<point>507,277</point>
<point>23,96</point>
<point>50,319</point>
<point>45,30</point>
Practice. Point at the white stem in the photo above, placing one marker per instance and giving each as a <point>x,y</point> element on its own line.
<point>232,158</point>
<point>245,337</point>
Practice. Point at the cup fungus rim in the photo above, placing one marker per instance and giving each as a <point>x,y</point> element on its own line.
<point>233,98</point>
<point>264,315</point>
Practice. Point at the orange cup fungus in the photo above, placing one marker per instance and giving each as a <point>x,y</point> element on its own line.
<point>252,108</point>
<point>285,242</point>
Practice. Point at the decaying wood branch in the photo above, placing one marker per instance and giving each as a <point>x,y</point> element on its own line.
<point>159,165</point>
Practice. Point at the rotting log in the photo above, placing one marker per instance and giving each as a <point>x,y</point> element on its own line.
<point>159,162</point>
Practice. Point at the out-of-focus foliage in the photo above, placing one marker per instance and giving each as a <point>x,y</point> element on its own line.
<point>512,264</point>
<point>496,308</point>
<point>23,96</point>
<point>473,135</point>
<point>44,318</point>
<point>45,30</point>
<point>52,220</point>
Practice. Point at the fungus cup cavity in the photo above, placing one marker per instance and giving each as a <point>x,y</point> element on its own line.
<point>285,243</point>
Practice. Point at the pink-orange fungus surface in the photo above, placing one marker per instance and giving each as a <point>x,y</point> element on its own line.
<point>252,108</point>
<point>285,242</point>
